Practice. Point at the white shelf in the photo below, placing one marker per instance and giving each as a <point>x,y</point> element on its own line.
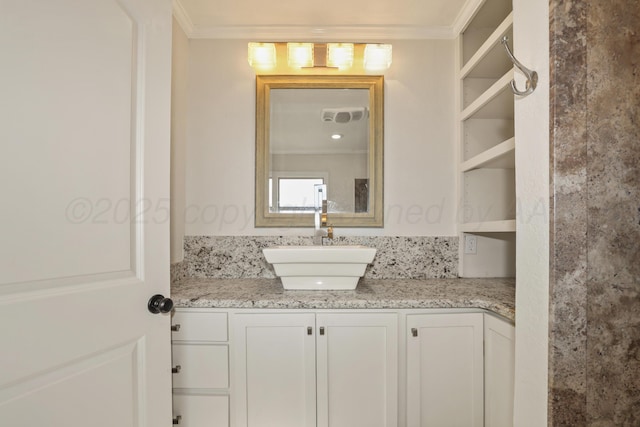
<point>487,143</point>
<point>501,156</point>
<point>503,226</point>
<point>489,14</point>
<point>495,102</point>
<point>487,48</point>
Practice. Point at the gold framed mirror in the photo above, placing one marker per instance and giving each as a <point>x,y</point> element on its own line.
<point>319,130</point>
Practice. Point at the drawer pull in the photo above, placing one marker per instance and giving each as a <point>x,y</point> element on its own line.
<point>414,332</point>
<point>176,369</point>
<point>176,420</point>
<point>175,328</point>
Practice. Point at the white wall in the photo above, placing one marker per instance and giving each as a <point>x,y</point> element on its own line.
<point>420,150</point>
<point>531,36</point>
<point>179,68</point>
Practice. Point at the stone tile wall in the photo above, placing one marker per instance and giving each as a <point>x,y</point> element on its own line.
<point>594,375</point>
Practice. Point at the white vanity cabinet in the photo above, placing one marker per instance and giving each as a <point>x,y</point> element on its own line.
<point>342,368</point>
<point>200,355</point>
<point>274,376</point>
<point>499,365</point>
<point>316,369</point>
<point>357,377</point>
<point>460,370</point>
<point>445,370</point>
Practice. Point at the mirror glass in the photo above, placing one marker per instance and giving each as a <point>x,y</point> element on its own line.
<point>319,130</point>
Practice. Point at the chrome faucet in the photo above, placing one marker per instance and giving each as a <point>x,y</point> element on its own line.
<point>320,215</point>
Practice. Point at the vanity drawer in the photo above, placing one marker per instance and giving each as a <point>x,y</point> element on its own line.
<point>201,410</point>
<point>201,365</point>
<point>199,326</point>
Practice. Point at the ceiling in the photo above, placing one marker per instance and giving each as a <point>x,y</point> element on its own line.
<point>355,20</point>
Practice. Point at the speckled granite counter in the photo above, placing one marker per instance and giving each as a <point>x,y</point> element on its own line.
<point>496,295</point>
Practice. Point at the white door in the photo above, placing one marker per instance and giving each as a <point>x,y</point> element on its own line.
<point>275,368</point>
<point>357,369</point>
<point>445,370</point>
<point>84,170</point>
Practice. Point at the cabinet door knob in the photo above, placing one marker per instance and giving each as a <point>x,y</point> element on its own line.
<point>321,330</point>
<point>414,332</point>
<point>175,328</point>
<point>176,369</point>
<point>176,420</point>
<point>309,330</point>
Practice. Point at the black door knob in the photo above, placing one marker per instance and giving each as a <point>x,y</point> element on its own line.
<point>159,304</point>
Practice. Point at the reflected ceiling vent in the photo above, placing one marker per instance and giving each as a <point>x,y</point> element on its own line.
<point>344,114</point>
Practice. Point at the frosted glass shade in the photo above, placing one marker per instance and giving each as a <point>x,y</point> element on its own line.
<point>377,57</point>
<point>300,55</point>
<point>340,55</point>
<point>262,55</point>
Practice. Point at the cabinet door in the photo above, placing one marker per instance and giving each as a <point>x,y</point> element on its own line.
<point>499,371</point>
<point>445,370</point>
<point>275,370</point>
<point>357,370</point>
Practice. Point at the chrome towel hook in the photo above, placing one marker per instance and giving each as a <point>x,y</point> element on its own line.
<point>532,76</point>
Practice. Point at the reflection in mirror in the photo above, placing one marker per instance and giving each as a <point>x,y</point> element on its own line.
<point>317,136</point>
<point>319,130</point>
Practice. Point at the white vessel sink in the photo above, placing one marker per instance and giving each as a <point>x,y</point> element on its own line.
<point>319,267</point>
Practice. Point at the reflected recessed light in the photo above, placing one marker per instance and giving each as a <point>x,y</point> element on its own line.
<point>336,136</point>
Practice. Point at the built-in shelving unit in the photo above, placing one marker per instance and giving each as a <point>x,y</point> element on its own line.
<point>499,156</point>
<point>487,144</point>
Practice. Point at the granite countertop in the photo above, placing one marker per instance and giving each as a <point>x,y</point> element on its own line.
<point>496,295</point>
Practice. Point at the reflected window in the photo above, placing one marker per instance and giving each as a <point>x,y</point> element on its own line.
<point>296,194</point>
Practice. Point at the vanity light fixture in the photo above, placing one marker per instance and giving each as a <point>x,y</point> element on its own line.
<point>377,57</point>
<point>262,55</point>
<point>300,55</point>
<point>340,55</point>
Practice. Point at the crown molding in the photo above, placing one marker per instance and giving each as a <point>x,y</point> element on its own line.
<point>467,13</point>
<point>182,17</point>
<point>356,33</point>
<point>360,33</point>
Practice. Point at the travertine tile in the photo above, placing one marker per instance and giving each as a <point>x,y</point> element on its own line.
<point>595,166</point>
<point>613,355</point>
<point>568,292</point>
<point>613,126</point>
